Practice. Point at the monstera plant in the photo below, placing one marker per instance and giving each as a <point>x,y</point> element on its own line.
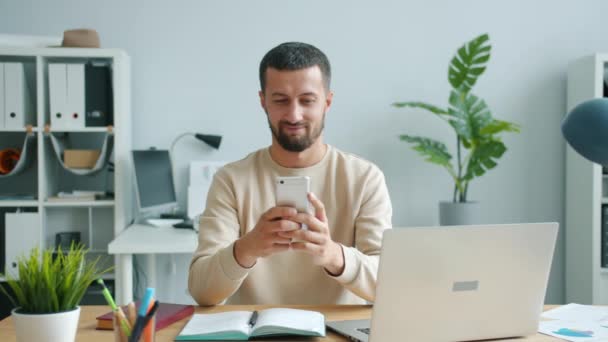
<point>478,133</point>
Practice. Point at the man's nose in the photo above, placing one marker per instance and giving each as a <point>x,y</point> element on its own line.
<point>294,113</point>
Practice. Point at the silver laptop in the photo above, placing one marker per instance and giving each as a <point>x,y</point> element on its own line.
<point>458,283</point>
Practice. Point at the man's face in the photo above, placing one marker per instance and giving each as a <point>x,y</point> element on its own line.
<point>295,103</point>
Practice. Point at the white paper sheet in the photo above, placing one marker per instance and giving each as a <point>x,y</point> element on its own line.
<point>574,331</point>
<point>201,176</point>
<point>578,312</point>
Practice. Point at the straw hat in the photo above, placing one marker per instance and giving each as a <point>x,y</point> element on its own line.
<point>87,38</point>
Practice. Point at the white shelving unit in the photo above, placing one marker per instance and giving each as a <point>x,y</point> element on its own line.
<point>586,192</point>
<point>97,221</point>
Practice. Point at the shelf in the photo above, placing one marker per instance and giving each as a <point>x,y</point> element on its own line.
<point>101,203</point>
<point>17,203</point>
<point>63,52</point>
<point>107,276</point>
<point>81,130</point>
<point>18,130</point>
<point>604,200</point>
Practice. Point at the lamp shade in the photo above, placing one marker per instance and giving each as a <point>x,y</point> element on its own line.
<point>585,128</point>
<point>211,140</point>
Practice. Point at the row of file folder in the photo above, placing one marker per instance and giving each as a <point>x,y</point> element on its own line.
<point>80,95</point>
<point>16,108</point>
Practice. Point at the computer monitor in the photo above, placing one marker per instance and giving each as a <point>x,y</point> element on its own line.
<point>153,182</point>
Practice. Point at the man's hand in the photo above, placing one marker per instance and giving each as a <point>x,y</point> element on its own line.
<point>264,239</point>
<point>317,241</point>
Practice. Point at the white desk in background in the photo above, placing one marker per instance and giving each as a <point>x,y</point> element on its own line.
<point>148,240</point>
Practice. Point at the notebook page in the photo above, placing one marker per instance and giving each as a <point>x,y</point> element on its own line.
<point>292,319</point>
<point>201,324</point>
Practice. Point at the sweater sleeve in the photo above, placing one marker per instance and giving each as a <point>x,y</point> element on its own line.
<point>214,273</point>
<point>374,216</point>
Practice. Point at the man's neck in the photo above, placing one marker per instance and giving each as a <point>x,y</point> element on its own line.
<point>296,160</point>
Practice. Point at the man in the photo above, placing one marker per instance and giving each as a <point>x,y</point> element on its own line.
<point>246,252</point>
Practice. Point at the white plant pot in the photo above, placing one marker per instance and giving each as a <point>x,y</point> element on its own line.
<point>52,327</point>
<point>457,214</point>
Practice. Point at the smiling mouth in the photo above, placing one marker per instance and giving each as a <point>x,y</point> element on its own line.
<point>293,128</point>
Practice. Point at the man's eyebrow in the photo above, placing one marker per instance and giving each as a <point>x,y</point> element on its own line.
<point>278,94</point>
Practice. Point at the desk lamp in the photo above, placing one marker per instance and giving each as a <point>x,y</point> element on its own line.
<point>212,140</point>
<point>585,128</point>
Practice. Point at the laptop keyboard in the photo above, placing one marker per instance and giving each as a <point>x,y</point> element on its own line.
<point>364,330</point>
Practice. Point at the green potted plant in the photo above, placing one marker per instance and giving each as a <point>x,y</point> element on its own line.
<point>47,290</point>
<point>478,133</point>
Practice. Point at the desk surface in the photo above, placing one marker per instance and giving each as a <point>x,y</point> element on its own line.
<point>144,239</point>
<point>87,332</point>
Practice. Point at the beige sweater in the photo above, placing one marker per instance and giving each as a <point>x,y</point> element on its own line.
<point>358,210</point>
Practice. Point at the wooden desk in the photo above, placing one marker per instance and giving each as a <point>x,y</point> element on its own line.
<point>87,332</point>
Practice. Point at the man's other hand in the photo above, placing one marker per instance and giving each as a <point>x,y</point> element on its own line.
<point>264,239</point>
<point>316,240</point>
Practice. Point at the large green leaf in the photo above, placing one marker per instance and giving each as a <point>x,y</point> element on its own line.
<point>497,126</point>
<point>469,62</point>
<point>483,158</point>
<point>433,151</point>
<point>470,115</point>
<point>431,108</point>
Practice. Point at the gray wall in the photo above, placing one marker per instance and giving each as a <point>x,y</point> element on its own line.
<point>194,66</point>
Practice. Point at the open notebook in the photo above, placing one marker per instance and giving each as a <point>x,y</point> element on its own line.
<point>235,325</point>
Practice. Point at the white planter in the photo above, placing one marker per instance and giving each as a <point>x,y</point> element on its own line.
<point>50,327</point>
<point>457,214</point>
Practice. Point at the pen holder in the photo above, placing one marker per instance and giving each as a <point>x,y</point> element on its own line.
<point>148,333</point>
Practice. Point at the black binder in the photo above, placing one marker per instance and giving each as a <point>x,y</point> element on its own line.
<point>99,104</point>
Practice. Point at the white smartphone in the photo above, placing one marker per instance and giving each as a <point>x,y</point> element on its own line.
<point>293,192</point>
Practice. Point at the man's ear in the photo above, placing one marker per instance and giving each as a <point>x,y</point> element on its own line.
<point>328,100</point>
<point>262,102</point>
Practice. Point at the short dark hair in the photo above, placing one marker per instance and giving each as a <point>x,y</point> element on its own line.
<point>295,56</point>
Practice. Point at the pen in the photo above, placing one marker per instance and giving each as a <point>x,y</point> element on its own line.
<point>126,328</point>
<point>142,314</point>
<point>254,318</point>
<point>148,331</point>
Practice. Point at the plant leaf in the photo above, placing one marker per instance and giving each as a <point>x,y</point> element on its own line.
<point>426,106</point>
<point>470,116</point>
<point>51,282</point>
<point>434,151</point>
<point>497,126</point>
<point>469,63</point>
<point>483,158</point>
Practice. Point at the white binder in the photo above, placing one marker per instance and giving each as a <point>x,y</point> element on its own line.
<point>17,101</point>
<point>58,94</point>
<point>76,97</point>
<point>23,232</point>
<point>1,95</point>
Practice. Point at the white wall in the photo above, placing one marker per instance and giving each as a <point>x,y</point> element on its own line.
<point>195,68</point>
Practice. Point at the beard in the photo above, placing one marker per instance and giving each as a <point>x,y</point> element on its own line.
<point>296,143</point>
